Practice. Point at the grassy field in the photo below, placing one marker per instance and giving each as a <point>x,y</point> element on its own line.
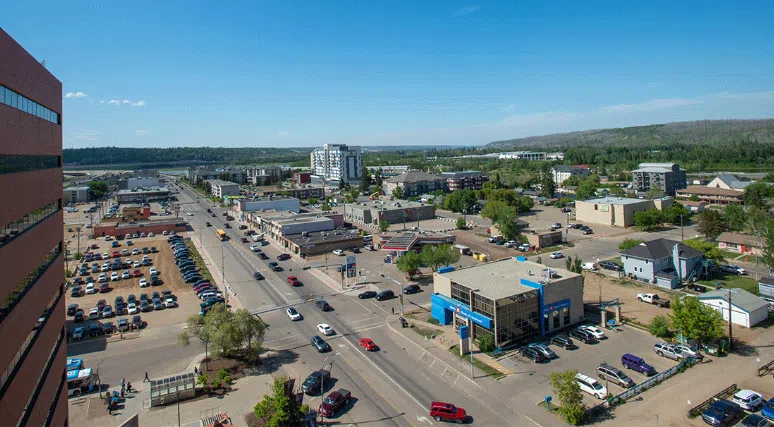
<point>734,281</point>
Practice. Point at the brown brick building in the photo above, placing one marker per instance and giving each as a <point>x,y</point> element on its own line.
<point>33,390</point>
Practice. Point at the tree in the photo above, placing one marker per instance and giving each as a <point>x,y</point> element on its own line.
<point>507,223</point>
<point>756,194</point>
<point>409,263</point>
<point>710,224</point>
<point>461,223</point>
<point>735,217</point>
<point>326,206</point>
<point>383,226</point>
<point>365,181</point>
<point>459,200</point>
<point>312,201</point>
<point>659,327</point>
<point>629,243</point>
<point>568,263</point>
<point>655,193</point>
<point>578,265</point>
<point>98,188</point>
<point>648,220</point>
<point>525,203</point>
<point>251,328</point>
<point>342,184</point>
<point>492,209</point>
<point>617,191</point>
<point>486,343</point>
<point>675,213</point>
<point>225,330</point>
<point>765,233</point>
<point>378,177</point>
<point>397,192</point>
<point>694,198</point>
<point>709,249</point>
<point>586,189</point>
<point>547,185</point>
<point>696,320</point>
<point>435,256</point>
<point>568,390</point>
<point>279,409</point>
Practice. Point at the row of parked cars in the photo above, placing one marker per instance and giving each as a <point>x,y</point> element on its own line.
<point>725,412</point>
<point>206,291</point>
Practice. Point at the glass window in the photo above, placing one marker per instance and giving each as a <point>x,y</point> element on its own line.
<point>2,95</point>
<point>566,312</point>
<point>545,322</point>
<point>555,315</point>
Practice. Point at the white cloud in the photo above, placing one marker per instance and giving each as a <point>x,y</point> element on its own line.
<point>141,132</point>
<point>90,135</point>
<point>283,133</point>
<point>509,107</point>
<point>649,106</point>
<point>467,9</point>
<point>75,95</point>
<point>125,101</point>
<point>114,102</point>
<point>138,104</point>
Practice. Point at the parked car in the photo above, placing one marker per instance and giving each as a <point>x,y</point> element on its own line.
<point>78,316</point>
<point>366,294</point>
<point>532,354</point>
<point>754,420</point>
<point>733,269</point>
<point>630,361</point>
<point>590,266</point>
<point>610,265</point>
<point>338,252</point>
<point>582,336</point>
<point>137,322</point>
<point>71,309</point>
<point>615,375</point>
<point>90,289</point>
<point>78,333</point>
<point>94,313</point>
<point>686,352</point>
<point>591,386</point>
<point>334,402</point>
<point>593,330</point>
<point>556,255</point>
<point>75,291</point>
<point>562,341</point>
<point>315,382</point>
<point>385,295</point>
<point>123,325</point>
<point>720,412</point>
<point>441,411</point>
<point>667,350</point>
<point>748,400</point>
<point>654,299</point>
<point>108,328</point>
<point>320,344</point>
<point>543,349</point>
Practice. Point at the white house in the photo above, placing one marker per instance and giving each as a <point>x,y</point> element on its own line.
<point>746,309</point>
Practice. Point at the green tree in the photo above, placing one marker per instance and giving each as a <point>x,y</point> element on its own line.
<point>378,177</point>
<point>525,203</point>
<point>365,181</point>
<point>461,223</point>
<point>342,184</point>
<point>383,226</point>
<point>655,193</point>
<point>409,263</point>
<point>568,263</point>
<point>492,209</point>
<point>251,329</point>
<point>98,189</point>
<point>570,396</point>
<point>486,343</point>
<point>675,213</point>
<point>756,194</point>
<point>586,189</point>
<point>617,191</point>
<point>765,232</point>
<point>547,186</point>
<point>629,243</point>
<point>280,409</point>
<point>507,223</point>
<point>710,224</point>
<point>225,330</point>
<point>648,220</point>
<point>312,201</point>
<point>435,256</point>
<point>563,202</point>
<point>694,198</point>
<point>397,192</point>
<point>709,249</point>
<point>459,200</point>
<point>659,327</point>
<point>696,320</point>
<point>578,265</point>
<point>735,217</point>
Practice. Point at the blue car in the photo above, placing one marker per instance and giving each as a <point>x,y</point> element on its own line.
<point>721,413</point>
<point>768,409</point>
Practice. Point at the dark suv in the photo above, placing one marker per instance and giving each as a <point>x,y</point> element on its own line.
<point>720,413</point>
<point>315,382</point>
<point>582,336</point>
<point>532,354</point>
<point>385,295</point>
<point>320,344</point>
<point>562,342</point>
<point>614,375</point>
<point>322,305</point>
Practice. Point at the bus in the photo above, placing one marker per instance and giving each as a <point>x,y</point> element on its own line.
<point>80,381</point>
<point>221,234</point>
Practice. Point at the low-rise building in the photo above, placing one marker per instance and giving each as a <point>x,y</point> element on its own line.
<point>134,183</point>
<point>739,243</point>
<point>524,155</point>
<point>657,262</point>
<point>616,211</point>
<point>302,178</point>
<point>278,204</point>
<point>513,299</point>
<point>414,183</point>
<point>692,206</point>
<point>711,195</point>
<point>471,180</point>
<point>299,193</point>
<point>743,308</point>
<point>373,212</point>
<point>667,177</point>
<point>136,212</point>
<point>278,224</point>
<point>220,189</point>
<point>729,181</point>
<point>75,195</point>
<point>388,171</point>
<point>142,195</point>
<point>264,175</point>
<point>563,172</point>
<point>113,227</point>
<point>544,239</point>
<point>401,242</point>
<point>314,243</point>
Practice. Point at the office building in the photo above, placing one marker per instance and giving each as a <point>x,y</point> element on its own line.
<point>142,195</point>
<point>75,195</point>
<point>616,211</point>
<point>471,180</point>
<point>336,162</point>
<point>33,389</point>
<point>278,204</point>
<point>371,213</point>
<point>265,175</point>
<point>222,189</point>
<point>667,177</point>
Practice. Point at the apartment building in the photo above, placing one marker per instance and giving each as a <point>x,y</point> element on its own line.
<point>76,195</point>
<point>336,162</point>
<point>222,189</point>
<point>264,175</point>
<point>667,177</point>
<point>471,180</point>
<point>33,389</point>
<point>415,183</point>
<point>563,172</point>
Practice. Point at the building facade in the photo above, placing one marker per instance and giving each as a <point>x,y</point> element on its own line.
<point>336,162</point>
<point>135,183</point>
<point>471,180</point>
<point>662,262</point>
<point>222,189</point>
<point>264,175</point>
<point>302,178</point>
<point>284,204</point>
<point>729,181</point>
<point>373,212</point>
<point>523,155</point>
<point>616,211</point>
<point>562,172</point>
<point>711,195</point>
<point>740,243</point>
<point>415,183</point>
<point>667,177</point>
<point>75,195</point>
<point>33,389</point>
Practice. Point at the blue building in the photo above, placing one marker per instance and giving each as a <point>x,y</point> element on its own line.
<point>513,299</point>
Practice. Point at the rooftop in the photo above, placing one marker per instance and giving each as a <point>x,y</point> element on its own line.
<point>502,279</point>
<point>701,190</point>
<point>739,297</point>
<point>326,236</point>
<point>386,205</point>
<point>659,249</point>
<point>220,182</point>
<point>738,238</point>
<point>461,174</point>
<point>612,200</point>
<point>568,168</point>
<point>143,190</point>
<point>76,188</point>
<point>414,176</point>
<point>733,182</point>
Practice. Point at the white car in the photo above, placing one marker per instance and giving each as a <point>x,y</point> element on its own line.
<point>94,314</point>
<point>748,399</point>
<point>151,234</point>
<point>90,289</point>
<point>591,386</point>
<point>254,248</point>
<point>293,314</point>
<point>734,269</point>
<point>593,330</point>
<point>189,213</point>
<point>325,329</point>
<point>136,264</point>
<point>170,303</point>
<point>115,277</point>
<point>78,333</point>
<point>556,255</point>
<point>125,274</point>
<point>135,251</point>
<point>105,267</point>
<point>131,308</point>
<point>143,283</point>
<point>511,243</point>
<point>153,271</point>
<point>102,278</point>
<point>165,232</point>
<point>338,252</point>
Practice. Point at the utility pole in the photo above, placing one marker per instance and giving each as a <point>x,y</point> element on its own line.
<point>223,270</point>
<point>401,290</point>
<point>681,228</point>
<point>730,313</point>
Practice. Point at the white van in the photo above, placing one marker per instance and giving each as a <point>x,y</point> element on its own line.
<point>368,238</point>
<point>591,386</point>
<point>589,266</point>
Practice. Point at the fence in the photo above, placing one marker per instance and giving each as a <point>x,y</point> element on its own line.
<point>765,369</point>
<point>698,409</point>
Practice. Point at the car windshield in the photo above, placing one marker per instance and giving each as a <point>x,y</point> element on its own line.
<point>597,386</point>
<point>292,311</point>
<point>329,400</point>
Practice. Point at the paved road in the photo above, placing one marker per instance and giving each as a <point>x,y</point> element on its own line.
<point>389,386</point>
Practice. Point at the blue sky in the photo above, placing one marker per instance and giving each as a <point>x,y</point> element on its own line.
<point>281,74</point>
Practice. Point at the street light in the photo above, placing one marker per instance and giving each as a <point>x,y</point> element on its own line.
<point>401,290</point>
<point>470,333</point>
<point>322,380</point>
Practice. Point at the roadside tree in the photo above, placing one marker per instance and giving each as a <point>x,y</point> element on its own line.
<point>226,331</point>
<point>383,226</point>
<point>492,209</point>
<point>696,320</point>
<point>735,217</point>
<point>710,224</point>
<point>409,262</point>
<point>570,396</point>
<point>648,220</point>
<point>507,223</point>
<point>629,243</point>
<point>280,408</point>
<point>435,256</point>
<point>397,192</point>
<point>461,223</point>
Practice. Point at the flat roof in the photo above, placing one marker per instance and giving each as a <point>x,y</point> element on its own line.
<point>221,182</point>
<point>330,236</point>
<point>143,190</point>
<point>301,220</point>
<point>387,205</point>
<point>502,279</point>
<point>612,200</point>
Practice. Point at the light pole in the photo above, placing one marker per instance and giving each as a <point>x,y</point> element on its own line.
<point>470,333</point>
<point>681,227</point>
<point>178,407</point>
<point>322,380</point>
<point>401,290</point>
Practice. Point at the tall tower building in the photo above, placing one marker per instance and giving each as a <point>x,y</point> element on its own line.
<point>335,162</point>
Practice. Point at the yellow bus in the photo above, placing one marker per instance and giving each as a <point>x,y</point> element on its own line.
<point>221,234</point>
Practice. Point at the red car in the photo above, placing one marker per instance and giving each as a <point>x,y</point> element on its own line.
<point>137,273</point>
<point>104,288</point>
<point>115,254</point>
<point>334,402</point>
<point>293,280</point>
<point>368,344</point>
<point>244,239</point>
<point>441,411</point>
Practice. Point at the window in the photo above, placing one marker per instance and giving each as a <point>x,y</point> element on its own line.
<point>545,322</point>
<point>18,163</point>
<point>13,99</point>
<point>566,315</point>
<point>556,319</point>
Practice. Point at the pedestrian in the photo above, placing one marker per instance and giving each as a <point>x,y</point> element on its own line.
<point>123,382</point>
<point>196,370</point>
<point>123,390</point>
<point>393,310</point>
<point>146,377</point>
<point>129,387</point>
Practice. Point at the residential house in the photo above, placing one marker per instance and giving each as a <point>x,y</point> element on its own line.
<point>745,309</point>
<point>662,262</point>
<point>738,243</point>
<point>711,195</point>
<point>692,206</point>
<point>728,181</point>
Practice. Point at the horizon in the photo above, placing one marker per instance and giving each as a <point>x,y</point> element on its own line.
<point>401,74</point>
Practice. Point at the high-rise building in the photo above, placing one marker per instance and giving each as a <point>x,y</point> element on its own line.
<point>667,177</point>
<point>33,387</point>
<point>335,162</point>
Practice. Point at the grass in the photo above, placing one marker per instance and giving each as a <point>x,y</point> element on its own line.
<point>490,371</point>
<point>734,281</point>
<point>199,261</point>
<point>426,332</point>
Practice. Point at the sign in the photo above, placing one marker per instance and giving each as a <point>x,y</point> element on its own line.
<point>462,310</point>
<point>458,310</point>
<point>351,266</point>
<point>463,332</point>
<point>556,306</point>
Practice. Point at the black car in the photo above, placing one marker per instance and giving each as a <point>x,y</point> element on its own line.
<point>720,412</point>
<point>532,354</point>
<point>153,249</point>
<point>158,304</point>
<point>75,291</point>
<point>283,257</point>
<point>754,420</point>
<point>412,289</point>
<point>145,307</point>
<point>108,328</point>
<point>385,295</point>
<point>320,344</point>
<point>94,329</point>
<point>258,276</point>
<point>315,382</point>
<point>131,299</point>
<point>71,309</point>
<point>119,300</point>
<point>263,256</point>
<point>322,305</point>
<point>367,294</point>
<point>588,231</point>
<point>582,336</point>
<point>137,322</point>
<point>78,316</point>
<point>563,342</point>
<point>610,265</point>
<point>274,266</point>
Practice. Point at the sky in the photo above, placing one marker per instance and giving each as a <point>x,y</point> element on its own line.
<point>281,74</point>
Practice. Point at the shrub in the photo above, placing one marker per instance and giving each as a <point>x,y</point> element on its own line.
<point>659,327</point>
<point>224,376</point>
<point>629,243</point>
<point>486,343</point>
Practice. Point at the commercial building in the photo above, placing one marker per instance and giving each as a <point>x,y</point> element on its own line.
<point>740,243</point>
<point>410,240</point>
<point>513,299</point>
<point>523,155</point>
<point>728,181</point>
<point>285,224</point>
<point>134,183</point>
<point>142,195</point>
<point>75,195</point>
<point>544,239</point>
<point>298,193</point>
<point>393,212</point>
<point>656,262</point>
<point>563,172</point>
<point>146,173</point>
<point>388,171</point>
<point>667,177</point>
<point>616,211</point>
<point>745,309</point>
<point>278,204</point>
<point>136,212</point>
<point>711,195</point>
<point>115,227</point>
<point>220,189</point>
<point>414,183</point>
<point>314,243</point>
<point>264,175</point>
<point>336,162</point>
<point>33,390</point>
<point>471,180</point>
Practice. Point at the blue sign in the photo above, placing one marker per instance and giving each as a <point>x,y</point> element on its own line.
<point>556,306</point>
<point>464,332</point>
<point>461,310</point>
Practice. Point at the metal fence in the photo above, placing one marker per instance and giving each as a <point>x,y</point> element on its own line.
<point>698,409</point>
<point>765,369</point>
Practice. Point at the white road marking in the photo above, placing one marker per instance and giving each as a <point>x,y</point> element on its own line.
<point>358,321</point>
<point>368,328</point>
<point>424,420</point>
<point>285,338</point>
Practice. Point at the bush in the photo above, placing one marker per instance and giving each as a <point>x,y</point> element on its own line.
<point>78,256</point>
<point>224,376</point>
<point>659,327</point>
<point>629,243</point>
<point>460,223</point>
<point>486,343</point>
<point>433,321</point>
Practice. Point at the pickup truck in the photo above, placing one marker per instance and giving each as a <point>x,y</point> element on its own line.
<point>334,401</point>
<point>653,299</point>
<point>667,350</point>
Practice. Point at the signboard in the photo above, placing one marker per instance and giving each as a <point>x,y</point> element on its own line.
<point>463,332</point>
<point>351,266</point>
<point>462,310</point>
<point>559,305</point>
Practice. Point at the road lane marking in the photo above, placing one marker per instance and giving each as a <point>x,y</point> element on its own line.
<point>379,307</point>
<point>285,338</point>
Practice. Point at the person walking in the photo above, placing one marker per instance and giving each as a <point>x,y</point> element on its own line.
<point>123,382</point>
<point>146,377</point>
<point>393,310</point>
<point>196,370</point>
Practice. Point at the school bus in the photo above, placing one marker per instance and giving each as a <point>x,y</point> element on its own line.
<point>221,234</point>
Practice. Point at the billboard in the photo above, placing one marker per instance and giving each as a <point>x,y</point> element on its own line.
<point>351,266</point>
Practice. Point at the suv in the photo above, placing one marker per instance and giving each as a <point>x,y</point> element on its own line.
<point>610,265</point>
<point>320,344</point>
<point>384,295</point>
<point>748,400</point>
<point>322,305</point>
<point>315,382</point>
<point>633,362</point>
<point>562,342</point>
<point>591,386</point>
<point>610,373</point>
<point>667,350</point>
<point>582,336</point>
<point>720,412</point>
<point>334,401</point>
<point>441,411</point>
<point>543,350</point>
<point>532,354</point>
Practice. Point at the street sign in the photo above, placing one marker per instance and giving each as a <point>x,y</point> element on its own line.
<point>463,332</point>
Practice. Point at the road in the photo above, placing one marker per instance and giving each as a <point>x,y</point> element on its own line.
<point>389,386</point>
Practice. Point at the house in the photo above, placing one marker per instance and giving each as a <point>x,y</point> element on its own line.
<point>667,177</point>
<point>562,172</point>
<point>657,262</point>
<point>711,195</point>
<point>616,211</point>
<point>738,243</point>
<point>544,239</point>
<point>728,181</point>
<point>746,309</point>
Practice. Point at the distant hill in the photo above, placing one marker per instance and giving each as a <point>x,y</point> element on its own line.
<point>708,132</point>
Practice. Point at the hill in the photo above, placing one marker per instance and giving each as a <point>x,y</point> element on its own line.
<point>700,132</point>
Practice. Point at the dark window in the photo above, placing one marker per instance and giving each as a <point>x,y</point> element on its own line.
<point>545,322</point>
<point>11,300</point>
<point>566,312</point>
<point>15,228</point>
<point>13,99</point>
<point>18,163</point>
<point>556,319</point>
